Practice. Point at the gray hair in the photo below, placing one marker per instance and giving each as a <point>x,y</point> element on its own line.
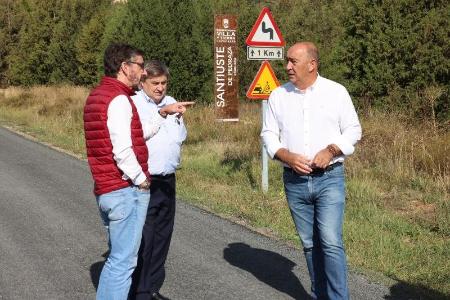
<point>155,68</point>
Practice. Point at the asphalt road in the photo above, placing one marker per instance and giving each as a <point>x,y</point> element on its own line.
<point>52,240</point>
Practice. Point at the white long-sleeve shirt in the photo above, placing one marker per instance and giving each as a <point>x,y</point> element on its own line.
<point>119,126</point>
<point>305,122</point>
<point>164,148</point>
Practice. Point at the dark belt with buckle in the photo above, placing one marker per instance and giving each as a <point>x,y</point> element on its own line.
<point>162,176</point>
<point>317,171</point>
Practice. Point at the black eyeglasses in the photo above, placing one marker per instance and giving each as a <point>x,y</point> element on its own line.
<point>141,65</point>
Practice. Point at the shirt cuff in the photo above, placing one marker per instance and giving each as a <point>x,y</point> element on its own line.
<point>140,179</point>
<point>272,150</point>
<point>346,147</point>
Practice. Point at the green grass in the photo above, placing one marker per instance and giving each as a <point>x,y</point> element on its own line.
<point>397,216</point>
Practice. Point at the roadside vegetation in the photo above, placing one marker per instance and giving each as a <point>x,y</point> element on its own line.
<point>393,56</point>
<point>398,210</point>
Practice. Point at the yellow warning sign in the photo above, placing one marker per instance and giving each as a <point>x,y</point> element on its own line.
<point>264,83</point>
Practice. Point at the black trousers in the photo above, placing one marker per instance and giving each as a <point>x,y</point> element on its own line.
<point>149,274</point>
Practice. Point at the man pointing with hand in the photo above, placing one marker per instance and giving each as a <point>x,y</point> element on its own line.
<point>164,157</point>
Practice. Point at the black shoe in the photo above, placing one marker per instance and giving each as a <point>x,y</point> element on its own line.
<point>158,296</point>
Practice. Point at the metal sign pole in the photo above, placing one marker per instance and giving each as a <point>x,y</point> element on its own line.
<point>263,43</point>
<point>264,156</point>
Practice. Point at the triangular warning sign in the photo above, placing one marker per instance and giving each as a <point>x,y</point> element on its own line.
<point>265,32</point>
<point>264,83</point>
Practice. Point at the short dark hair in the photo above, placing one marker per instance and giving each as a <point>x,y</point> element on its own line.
<point>116,54</point>
<point>155,68</point>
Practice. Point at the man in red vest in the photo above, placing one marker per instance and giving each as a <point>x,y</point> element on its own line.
<point>117,156</point>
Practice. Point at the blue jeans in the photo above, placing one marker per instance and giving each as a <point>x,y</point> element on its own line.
<point>123,213</point>
<point>317,208</point>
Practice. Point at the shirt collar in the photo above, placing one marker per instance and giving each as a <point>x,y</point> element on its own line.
<point>312,87</point>
<point>316,83</point>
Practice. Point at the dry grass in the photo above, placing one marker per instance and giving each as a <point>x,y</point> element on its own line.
<point>398,212</point>
<point>406,163</point>
<point>54,114</point>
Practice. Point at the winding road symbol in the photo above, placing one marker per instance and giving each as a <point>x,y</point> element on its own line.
<point>267,30</point>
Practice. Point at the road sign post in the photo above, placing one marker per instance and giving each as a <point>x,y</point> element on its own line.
<point>264,83</point>
<point>264,156</point>
<point>264,42</point>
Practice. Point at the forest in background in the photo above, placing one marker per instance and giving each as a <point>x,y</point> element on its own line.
<point>391,55</point>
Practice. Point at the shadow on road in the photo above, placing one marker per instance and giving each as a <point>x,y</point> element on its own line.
<point>96,269</point>
<point>268,267</point>
<point>406,291</point>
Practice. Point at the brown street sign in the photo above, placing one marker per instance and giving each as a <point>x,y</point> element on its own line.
<point>225,68</point>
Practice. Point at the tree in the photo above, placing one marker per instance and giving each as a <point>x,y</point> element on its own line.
<point>10,24</point>
<point>88,51</point>
<point>45,50</point>
<point>175,32</point>
<point>29,63</point>
<point>395,47</point>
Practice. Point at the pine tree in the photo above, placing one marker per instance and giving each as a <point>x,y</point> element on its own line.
<point>29,60</point>
<point>393,49</point>
<point>10,24</point>
<point>88,51</point>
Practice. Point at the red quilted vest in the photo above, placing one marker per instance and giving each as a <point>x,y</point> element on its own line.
<point>107,176</point>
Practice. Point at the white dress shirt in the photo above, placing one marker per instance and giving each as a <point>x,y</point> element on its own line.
<point>164,148</point>
<point>119,126</point>
<point>305,122</point>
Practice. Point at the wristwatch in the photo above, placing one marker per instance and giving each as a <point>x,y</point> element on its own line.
<point>332,149</point>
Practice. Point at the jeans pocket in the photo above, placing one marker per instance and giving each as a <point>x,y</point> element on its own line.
<point>294,178</point>
<point>118,212</point>
<point>288,176</point>
<point>114,205</point>
<point>337,172</point>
